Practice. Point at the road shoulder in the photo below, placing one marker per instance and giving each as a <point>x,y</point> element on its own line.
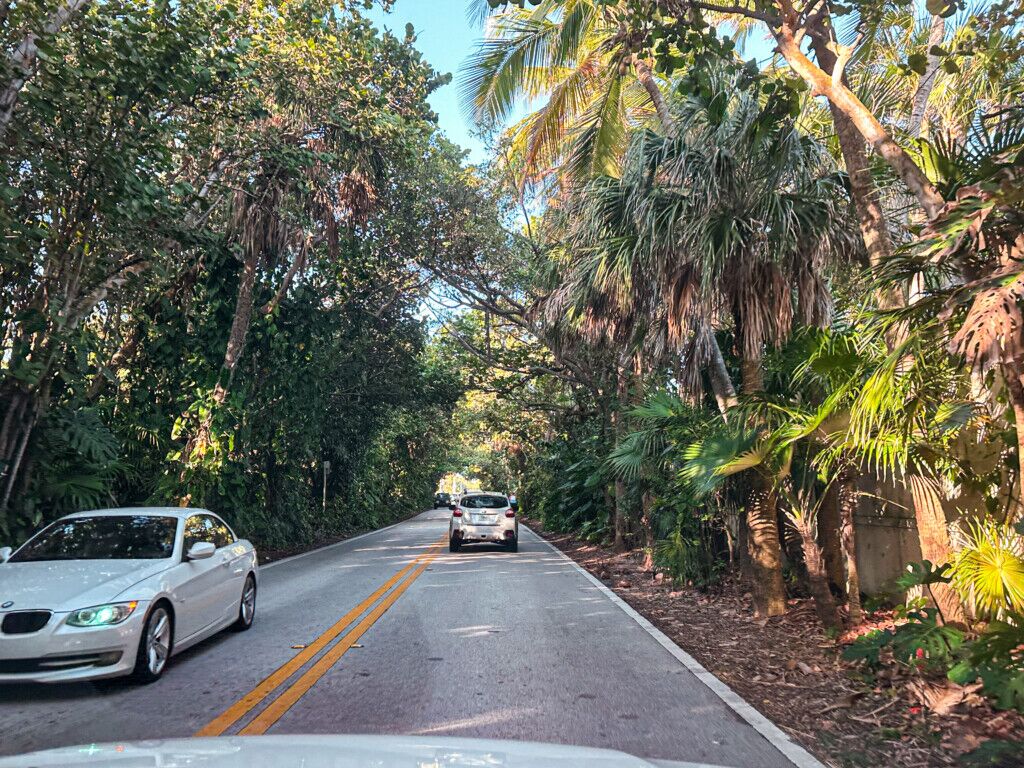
<point>795,753</point>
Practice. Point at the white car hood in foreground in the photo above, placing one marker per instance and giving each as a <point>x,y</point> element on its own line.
<point>66,585</point>
<point>334,752</point>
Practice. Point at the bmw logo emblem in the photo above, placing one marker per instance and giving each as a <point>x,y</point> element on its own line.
<point>8,604</point>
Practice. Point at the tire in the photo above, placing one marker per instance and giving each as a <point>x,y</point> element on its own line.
<point>246,606</point>
<point>513,544</point>
<point>454,545</point>
<point>157,634</point>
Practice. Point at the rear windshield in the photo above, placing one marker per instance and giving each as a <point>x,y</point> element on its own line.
<point>120,537</point>
<point>484,502</point>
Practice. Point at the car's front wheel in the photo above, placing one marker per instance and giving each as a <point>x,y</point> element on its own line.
<point>247,606</point>
<point>154,646</point>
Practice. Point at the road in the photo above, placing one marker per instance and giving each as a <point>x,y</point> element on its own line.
<point>479,643</point>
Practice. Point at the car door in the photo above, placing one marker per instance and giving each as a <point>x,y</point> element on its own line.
<point>200,590</point>
<point>231,557</point>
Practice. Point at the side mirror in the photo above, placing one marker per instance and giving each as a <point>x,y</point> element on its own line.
<point>453,507</point>
<point>5,554</point>
<point>514,505</point>
<point>201,550</point>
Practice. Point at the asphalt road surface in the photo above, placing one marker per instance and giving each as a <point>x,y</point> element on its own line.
<point>392,634</point>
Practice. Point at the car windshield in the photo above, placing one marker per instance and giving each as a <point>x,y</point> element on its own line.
<point>484,502</point>
<point>121,537</point>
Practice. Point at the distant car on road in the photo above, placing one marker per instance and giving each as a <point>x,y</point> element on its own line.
<point>442,500</point>
<point>483,517</point>
<point>119,591</point>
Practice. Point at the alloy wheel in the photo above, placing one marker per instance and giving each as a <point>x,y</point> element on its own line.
<point>158,641</point>
<point>249,601</point>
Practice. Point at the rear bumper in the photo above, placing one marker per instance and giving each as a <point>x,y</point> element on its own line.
<point>502,532</point>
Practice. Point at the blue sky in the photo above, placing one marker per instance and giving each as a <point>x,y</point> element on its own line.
<point>446,37</point>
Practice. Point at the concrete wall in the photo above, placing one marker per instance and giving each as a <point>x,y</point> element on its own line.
<point>887,532</point>
<point>886,536</point>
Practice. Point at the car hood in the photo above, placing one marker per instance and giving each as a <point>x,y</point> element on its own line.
<point>66,585</point>
<point>335,752</point>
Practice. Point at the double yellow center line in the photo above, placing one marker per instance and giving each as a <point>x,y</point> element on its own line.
<point>287,698</point>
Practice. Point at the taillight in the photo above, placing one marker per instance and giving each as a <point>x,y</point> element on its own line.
<point>509,513</point>
<point>457,513</point>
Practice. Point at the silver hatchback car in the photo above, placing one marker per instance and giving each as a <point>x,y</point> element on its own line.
<point>483,516</point>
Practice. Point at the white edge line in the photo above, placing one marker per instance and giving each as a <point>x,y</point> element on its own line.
<point>288,559</point>
<point>775,735</point>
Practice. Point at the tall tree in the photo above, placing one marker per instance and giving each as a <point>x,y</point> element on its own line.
<point>732,218</point>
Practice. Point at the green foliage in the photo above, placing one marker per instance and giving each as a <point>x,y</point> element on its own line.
<point>687,555</point>
<point>868,647</point>
<point>989,567</point>
<point>157,147</point>
<point>923,574</point>
<point>923,633</point>
<point>992,753</point>
<point>565,487</point>
<point>997,659</point>
<point>921,640</point>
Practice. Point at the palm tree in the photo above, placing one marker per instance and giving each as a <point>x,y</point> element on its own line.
<point>732,218</point>
<point>779,455</point>
<point>573,58</point>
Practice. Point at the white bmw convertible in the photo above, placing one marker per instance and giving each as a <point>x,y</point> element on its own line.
<point>119,591</point>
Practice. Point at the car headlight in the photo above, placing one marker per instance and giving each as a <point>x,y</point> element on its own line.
<point>102,615</point>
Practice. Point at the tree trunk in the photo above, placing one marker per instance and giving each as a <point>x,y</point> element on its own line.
<point>831,87</point>
<point>1015,390</point>
<point>650,84</point>
<point>933,534</point>
<point>621,513</point>
<point>197,444</point>
<point>743,549</point>
<point>647,529</point>
<point>121,356</point>
<point>762,514</point>
<point>17,400</point>
<point>936,34</point>
<point>718,375</point>
<point>870,215</point>
<point>619,423</point>
<point>847,502</point>
<point>243,316</point>
<point>609,505</point>
<point>34,404</point>
<point>817,576</point>
<point>21,62</point>
<point>829,532</point>
<point>753,374</point>
<point>765,551</point>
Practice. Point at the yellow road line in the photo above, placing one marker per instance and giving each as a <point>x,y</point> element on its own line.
<point>300,687</point>
<point>243,706</point>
